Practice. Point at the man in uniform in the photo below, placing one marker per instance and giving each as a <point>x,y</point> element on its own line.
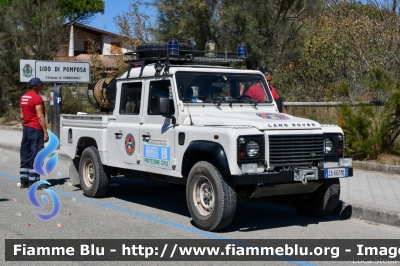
<point>34,133</point>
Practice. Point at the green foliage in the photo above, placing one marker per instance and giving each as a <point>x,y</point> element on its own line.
<point>318,50</point>
<point>134,25</point>
<point>184,19</point>
<point>28,31</point>
<point>4,3</point>
<point>4,106</point>
<point>34,30</point>
<point>75,100</point>
<point>271,29</point>
<point>360,131</point>
<point>373,130</point>
<point>81,10</point>
<point>343,44</point>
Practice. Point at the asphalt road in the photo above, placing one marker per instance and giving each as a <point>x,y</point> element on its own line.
<point>143,209</point>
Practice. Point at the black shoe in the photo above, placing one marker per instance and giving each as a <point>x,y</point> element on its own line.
<point>23,185</point>
<point>42,186</point>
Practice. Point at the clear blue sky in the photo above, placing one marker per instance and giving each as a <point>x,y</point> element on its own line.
<point>112,8</point>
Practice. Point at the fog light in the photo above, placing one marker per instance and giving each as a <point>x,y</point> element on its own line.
<point>249,168</point>
<point>346,162</point>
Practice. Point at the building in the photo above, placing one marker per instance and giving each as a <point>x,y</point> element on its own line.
<point>107,44</point>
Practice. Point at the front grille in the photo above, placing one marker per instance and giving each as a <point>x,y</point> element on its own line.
<point>295,150</point>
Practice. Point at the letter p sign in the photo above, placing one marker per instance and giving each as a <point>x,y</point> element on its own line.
<point>59,100</point>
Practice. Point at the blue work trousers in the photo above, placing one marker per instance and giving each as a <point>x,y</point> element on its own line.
<point>32,142</point>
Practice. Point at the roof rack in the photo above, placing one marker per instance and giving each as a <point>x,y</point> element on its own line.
<point>186,57</point>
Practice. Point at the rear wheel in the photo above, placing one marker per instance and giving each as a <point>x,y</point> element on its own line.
<point>211,200</point>
<point>93,176</point>
<point>321,202</point>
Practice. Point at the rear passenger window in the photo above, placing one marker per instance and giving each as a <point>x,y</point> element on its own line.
<point>131,94</point>
<point>160,89</point>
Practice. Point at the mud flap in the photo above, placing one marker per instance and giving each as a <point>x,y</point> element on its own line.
<point>73,175</point>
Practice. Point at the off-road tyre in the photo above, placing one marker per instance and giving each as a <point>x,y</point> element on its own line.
<point>321,202</point>
<point>211,199</point>
<point>158,49</point>
<point>93,175</point>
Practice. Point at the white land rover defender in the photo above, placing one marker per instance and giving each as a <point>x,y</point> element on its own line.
<point>178,117</point>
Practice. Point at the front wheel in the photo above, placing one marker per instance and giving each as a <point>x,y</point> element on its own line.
<point>93,176</point>
<point>211,200</point>
<point>321,202</point>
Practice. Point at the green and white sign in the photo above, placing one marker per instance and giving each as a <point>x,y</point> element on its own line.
<point>27,70</point>
<point>55,71</point>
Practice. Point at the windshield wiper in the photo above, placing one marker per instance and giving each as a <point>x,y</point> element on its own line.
<point>210,100</point>
<point>247,98</point>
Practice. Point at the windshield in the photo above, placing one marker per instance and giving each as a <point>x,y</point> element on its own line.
<point>206,87</point>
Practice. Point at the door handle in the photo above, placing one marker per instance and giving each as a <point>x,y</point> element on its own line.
<point>118,134</point>
<point>147,135</point>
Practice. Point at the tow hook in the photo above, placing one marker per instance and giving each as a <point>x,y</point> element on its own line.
<point>304,180</point>
<point>305,174</point>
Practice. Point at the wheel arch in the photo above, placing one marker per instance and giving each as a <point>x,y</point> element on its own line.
<point>202,150</point>
<point>83,143</point>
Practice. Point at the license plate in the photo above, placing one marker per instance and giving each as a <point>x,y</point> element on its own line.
<point>336,172</point>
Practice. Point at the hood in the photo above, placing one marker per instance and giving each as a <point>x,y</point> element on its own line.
<point>260,121</point>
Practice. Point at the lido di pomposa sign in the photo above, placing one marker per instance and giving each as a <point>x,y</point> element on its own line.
<point>55,71</point>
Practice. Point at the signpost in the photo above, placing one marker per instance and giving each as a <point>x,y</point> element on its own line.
<point>55,71</point>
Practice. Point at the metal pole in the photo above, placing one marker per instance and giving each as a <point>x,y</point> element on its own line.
<point>55,110</point>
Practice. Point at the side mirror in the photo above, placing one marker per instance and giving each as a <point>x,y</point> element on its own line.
<point>163,105</point>
<point>279,103</point>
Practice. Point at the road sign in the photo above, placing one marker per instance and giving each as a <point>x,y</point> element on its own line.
<point>55,71</point>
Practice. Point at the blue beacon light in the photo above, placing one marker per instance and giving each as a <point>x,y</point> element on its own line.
<point>173,47</point>
<point>241,51</point>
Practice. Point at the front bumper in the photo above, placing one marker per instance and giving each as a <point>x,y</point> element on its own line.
<point>280,177</point>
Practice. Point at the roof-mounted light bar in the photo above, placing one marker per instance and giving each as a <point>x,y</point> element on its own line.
<point>172,55</point>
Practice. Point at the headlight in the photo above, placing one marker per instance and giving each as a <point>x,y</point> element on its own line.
<point>328,145</point>
<point>252,148</point>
